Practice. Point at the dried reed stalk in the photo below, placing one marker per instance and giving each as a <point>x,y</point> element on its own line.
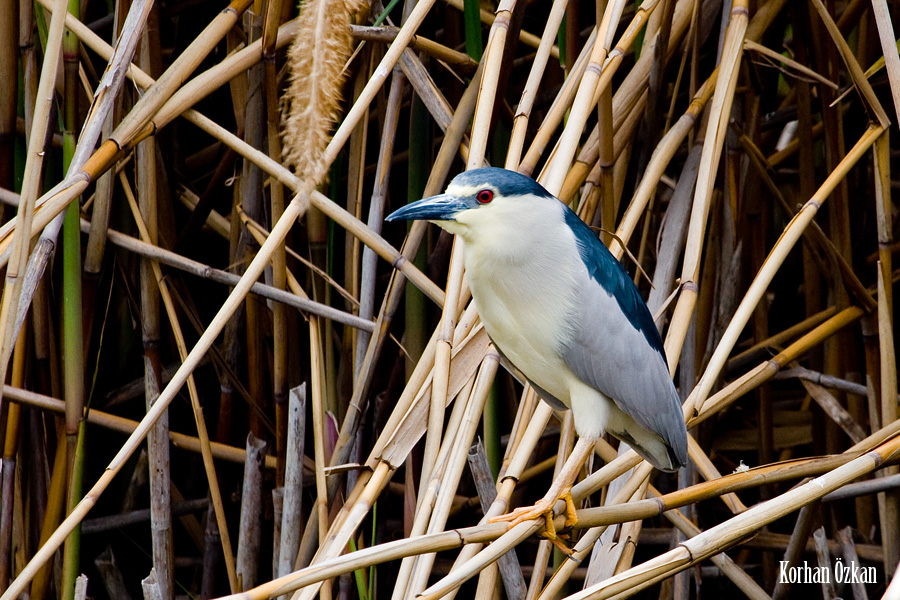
<point>203,437</point>
<point>600,163</point>
<point>126,426</point>
<point>25,215</point>
<point>253,271</point>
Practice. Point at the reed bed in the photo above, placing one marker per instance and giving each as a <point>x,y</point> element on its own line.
<point>194,202</point>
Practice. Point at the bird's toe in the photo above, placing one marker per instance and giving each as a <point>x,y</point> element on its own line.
<point>540,509</point>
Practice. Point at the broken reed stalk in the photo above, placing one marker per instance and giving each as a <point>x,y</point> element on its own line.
<point>254,270</point>
<point>162,288</point>
<point>292,517</point>
<point>317,381</point>
<point>247,560</point>
<point>158,437</point>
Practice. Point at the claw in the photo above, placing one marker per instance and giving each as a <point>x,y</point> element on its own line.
<point>555,540</point>
<point>560,489</point>
<point>544,509</point>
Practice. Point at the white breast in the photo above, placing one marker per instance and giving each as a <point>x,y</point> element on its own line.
<point>524,294</point>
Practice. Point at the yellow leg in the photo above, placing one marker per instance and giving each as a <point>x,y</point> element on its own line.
<point>560,489</point>
<point>571,515</point>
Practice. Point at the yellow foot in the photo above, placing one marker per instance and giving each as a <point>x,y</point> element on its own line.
<point>541,509</point>
<point>544,509</point>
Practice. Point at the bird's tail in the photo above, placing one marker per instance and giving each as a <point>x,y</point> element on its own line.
<point>657,451</point>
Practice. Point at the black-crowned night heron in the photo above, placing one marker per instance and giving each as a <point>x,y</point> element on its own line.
<point>562,310</point>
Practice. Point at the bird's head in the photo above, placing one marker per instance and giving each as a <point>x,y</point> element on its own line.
<point>482,202</point>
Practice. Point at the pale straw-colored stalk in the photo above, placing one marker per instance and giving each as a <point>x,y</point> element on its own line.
<point>31,180</point>
<point>528,39</point>
<point>714,138</point>
<point>532,85</point>
<point>122,425</point>
<point>456,461</point>
<point>889,48</point>
<point>557,109</point>
<point>396,441</point>
<point>423,514</point>
<point>583,103</point>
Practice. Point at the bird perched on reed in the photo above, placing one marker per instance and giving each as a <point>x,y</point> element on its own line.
<point>565,314</point>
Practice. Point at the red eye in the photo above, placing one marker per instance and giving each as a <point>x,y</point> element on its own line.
<point>484,196</point>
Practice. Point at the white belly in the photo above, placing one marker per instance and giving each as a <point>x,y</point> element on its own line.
<point>527,330</point>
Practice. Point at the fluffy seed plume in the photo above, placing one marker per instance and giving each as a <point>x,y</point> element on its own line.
<point>316,60</point>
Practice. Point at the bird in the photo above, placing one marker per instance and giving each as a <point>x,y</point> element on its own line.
<point>564,313</point>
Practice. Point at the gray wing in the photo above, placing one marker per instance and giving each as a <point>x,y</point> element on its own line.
<point>520,376</point>
<point>616,355</point>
